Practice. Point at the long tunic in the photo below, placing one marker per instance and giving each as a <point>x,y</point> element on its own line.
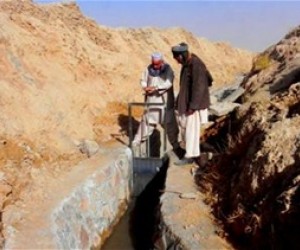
<point>194,83</point>
<point>162,80</point>
<point>193,95</point>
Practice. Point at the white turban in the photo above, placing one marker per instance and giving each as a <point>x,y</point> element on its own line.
<point>156,56</point>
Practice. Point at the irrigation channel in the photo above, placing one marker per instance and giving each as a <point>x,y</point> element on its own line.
<point>139,227</point>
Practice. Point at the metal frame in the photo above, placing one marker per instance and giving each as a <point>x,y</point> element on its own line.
<point>142,104</point>
<point>145,168</point>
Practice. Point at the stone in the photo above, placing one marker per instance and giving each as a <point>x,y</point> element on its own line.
<point>234,95</point>
<point>89,147</point>
<point>213,99</point>
<point>222,108</point>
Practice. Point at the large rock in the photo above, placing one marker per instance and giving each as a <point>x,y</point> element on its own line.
<point>222,108</point>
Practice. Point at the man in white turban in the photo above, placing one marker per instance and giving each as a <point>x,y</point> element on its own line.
<point>157,83</point>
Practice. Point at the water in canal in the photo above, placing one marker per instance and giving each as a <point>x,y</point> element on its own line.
<point>138,228</point>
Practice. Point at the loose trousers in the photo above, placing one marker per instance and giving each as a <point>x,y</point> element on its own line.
<point>145,130</point>
<point>190,126</point>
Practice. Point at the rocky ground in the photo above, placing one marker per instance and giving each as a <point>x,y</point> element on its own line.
<point>65,83</point>
<point>253,181</point>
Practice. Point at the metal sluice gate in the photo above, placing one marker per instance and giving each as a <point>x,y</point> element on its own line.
<point>150,155</point>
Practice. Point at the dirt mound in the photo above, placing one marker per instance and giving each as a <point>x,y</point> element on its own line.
<point>60,70</point>
<point>258,201</point>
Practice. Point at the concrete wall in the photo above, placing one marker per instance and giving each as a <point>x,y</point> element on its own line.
<point>186,221</point>
<point>86,217</point>
<point>83,207</point>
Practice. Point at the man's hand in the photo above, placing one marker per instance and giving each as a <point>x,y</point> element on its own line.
<point>190,112</point>
<point>149,90</point>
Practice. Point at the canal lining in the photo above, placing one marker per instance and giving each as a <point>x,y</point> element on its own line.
<point>144,215</point>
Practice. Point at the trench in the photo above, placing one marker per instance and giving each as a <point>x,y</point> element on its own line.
<point>139,227</point>
<point>255,222</point>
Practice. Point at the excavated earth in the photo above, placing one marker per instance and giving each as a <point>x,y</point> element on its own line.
<point>253,182</point>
